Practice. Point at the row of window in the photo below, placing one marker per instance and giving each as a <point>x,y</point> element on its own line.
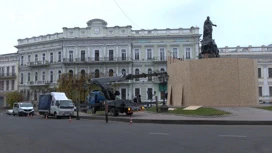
<point>36,59</point>
<point>261,91</point>
<point>149,55</point>
<point>137,92</point>
<point>6,70</point>
<point>96,74</point>
<point>7,85</point>
<point>269,72</point>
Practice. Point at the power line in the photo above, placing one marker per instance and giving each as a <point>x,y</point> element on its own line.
<point>126,14</point>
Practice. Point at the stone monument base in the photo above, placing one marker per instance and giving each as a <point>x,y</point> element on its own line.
<point>207,55</point>
<point>213,82</point>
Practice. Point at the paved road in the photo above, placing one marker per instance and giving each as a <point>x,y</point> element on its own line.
<point>38,135</point>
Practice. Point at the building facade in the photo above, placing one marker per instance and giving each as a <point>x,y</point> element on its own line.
<point>8,76</point>
<point>103,51</point>
<point>263,55</point>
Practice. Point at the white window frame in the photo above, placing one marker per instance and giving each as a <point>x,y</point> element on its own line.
<point>123,50</point>
<point>177,52</point>
<point>59,56</point>
<point>185,52</point>
<point>147,53</point>
<point>22,78</point>
<point>146,89</point>
<point>43,76</point>
<point>162,50</point>
<point>29,76</point>
<point>140,91</point>
<point>59,74</point>
<point>43,60</point>
<point>123,69</point>
<point>28,58</point>
<point>51,57</point>
<point>36,58</point>
<point>139,52</point>
<point>99,53</point>
<point>51,81</point>
<point>71,55</point>
<point>22,60</point>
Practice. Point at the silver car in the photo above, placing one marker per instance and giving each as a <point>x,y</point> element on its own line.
<point>9,111</point>
<point>23,108</point>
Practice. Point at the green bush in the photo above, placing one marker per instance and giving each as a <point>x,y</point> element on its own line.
<point>13,97</point>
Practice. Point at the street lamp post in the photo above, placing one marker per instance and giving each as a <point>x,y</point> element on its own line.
<point>77,108</point>
<point>163,79</point>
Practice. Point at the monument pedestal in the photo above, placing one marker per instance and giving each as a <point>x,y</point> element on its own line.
<point>207,55</point>
<point>213,82</point>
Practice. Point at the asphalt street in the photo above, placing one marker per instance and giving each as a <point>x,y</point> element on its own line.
<point>39,135</point>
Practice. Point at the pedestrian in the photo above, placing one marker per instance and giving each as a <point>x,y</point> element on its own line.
<point>139,99</point>
<point>135,99</point>
<point>117,97</point>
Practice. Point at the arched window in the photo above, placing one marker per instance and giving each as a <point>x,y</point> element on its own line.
<point>162,70</point>
<point>43,76</point>
<point>137,71</point>
<point>51,76</point>
<point>28,78</point>
<point>36,76</point>
<point>110,72</point>
<point>96,75</point>
<point>123,71</point>
<point>71,73</point>
<point>22,78</point>
<point>59,74</point>
<point>149,71</point>
<point>82,72</point>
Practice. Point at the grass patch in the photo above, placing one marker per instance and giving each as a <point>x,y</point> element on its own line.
<point>266,108</point>
<point>202,111</point>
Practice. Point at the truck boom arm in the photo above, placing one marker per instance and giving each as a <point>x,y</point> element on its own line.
<point>105,82</point>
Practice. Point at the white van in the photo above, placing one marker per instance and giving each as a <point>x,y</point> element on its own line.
<point>55,104</point>
<point>23,108</point>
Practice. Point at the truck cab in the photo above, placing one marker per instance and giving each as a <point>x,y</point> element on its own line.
<point>62,108</point>
<point>56,104</point>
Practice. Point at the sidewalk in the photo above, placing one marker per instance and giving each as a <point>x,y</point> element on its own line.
<point>239,116</point>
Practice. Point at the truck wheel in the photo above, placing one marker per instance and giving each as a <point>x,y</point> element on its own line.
<point>55,115</point>
<point>113,112</point>
<point>93,110</point>
<point>129,113</point>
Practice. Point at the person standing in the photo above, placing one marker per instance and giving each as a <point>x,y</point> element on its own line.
<point>139,99</point>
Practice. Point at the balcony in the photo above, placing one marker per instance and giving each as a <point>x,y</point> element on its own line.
<point>38,63</point>
<point>94,60</point>
<point>38,83</point>
<point>159,59</point>
<point>7,75</point>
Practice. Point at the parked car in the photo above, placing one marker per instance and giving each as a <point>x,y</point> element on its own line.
<point>23,108</point>
<point>9,111</point>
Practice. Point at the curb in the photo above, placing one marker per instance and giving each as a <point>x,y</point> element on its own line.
<point>189,122</point>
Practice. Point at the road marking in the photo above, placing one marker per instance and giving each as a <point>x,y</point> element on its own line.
<point>158,133</point>
<point>235,136</point>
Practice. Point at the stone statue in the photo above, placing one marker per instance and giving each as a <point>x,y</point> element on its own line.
<point>208,46</point>
<point>207,33</point>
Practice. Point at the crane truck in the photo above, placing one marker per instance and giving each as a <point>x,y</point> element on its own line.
<point>97,98</point>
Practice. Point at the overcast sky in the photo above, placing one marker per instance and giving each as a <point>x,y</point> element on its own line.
<point>239,22</point>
